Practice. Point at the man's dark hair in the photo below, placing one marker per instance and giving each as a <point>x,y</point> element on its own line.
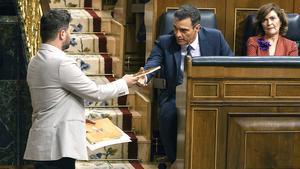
<point>52,21</point>
<point>188,11</point>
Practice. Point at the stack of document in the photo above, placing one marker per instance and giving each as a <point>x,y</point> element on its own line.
<point>102,132</point>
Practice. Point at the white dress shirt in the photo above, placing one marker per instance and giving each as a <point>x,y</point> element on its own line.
<point>195,51</point>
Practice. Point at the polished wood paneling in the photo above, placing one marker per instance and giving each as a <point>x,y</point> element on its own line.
<point>241,90</point>
<point>291,90</point>
<point>242,117</point>
<point>203,144</point>
<point>239,72</point>
<point>263,142</point>
<point>296,6</point>
<point>205,90</point>
<point>151,17</point>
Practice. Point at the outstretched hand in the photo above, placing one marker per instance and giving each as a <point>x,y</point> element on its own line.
<point>130,80</point>
<point>142,79</point>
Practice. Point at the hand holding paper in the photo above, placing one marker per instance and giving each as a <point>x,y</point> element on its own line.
<point>142,82</point>
<point>143,72</point>
<point>130,80</point>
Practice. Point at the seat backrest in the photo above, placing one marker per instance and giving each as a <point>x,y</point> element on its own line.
<point>208,19</point>
<point>292,34</point>
<point>294,27</point>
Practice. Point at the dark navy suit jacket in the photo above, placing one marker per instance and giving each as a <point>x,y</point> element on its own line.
<point>167,54</point>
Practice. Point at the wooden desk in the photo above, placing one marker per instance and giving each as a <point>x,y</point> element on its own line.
<point>242,113</point>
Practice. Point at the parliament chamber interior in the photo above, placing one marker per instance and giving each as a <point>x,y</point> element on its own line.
<point>233,112</point>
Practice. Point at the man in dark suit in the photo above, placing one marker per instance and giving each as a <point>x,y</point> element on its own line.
<point>168,52</point>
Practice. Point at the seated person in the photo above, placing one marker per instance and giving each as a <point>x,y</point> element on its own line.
<point>169,52</point>
<point>271,24</point>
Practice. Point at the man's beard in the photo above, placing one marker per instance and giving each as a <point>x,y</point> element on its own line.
<point>66,44</point>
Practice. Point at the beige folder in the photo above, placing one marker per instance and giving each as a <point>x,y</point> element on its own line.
<point>102,130</point>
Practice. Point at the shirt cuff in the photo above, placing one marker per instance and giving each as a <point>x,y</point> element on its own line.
<point>123,88</point>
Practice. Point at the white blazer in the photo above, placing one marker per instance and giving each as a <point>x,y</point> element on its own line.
<point>58,87</point>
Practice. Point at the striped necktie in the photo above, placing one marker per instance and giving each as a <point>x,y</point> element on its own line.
<point>188,50</point>
<point>184,59</point>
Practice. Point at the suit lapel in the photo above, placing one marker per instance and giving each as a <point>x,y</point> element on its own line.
<point>177,55</point>
<point>203,43</point>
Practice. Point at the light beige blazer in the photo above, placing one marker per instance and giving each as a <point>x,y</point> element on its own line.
<point>57,88</point>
